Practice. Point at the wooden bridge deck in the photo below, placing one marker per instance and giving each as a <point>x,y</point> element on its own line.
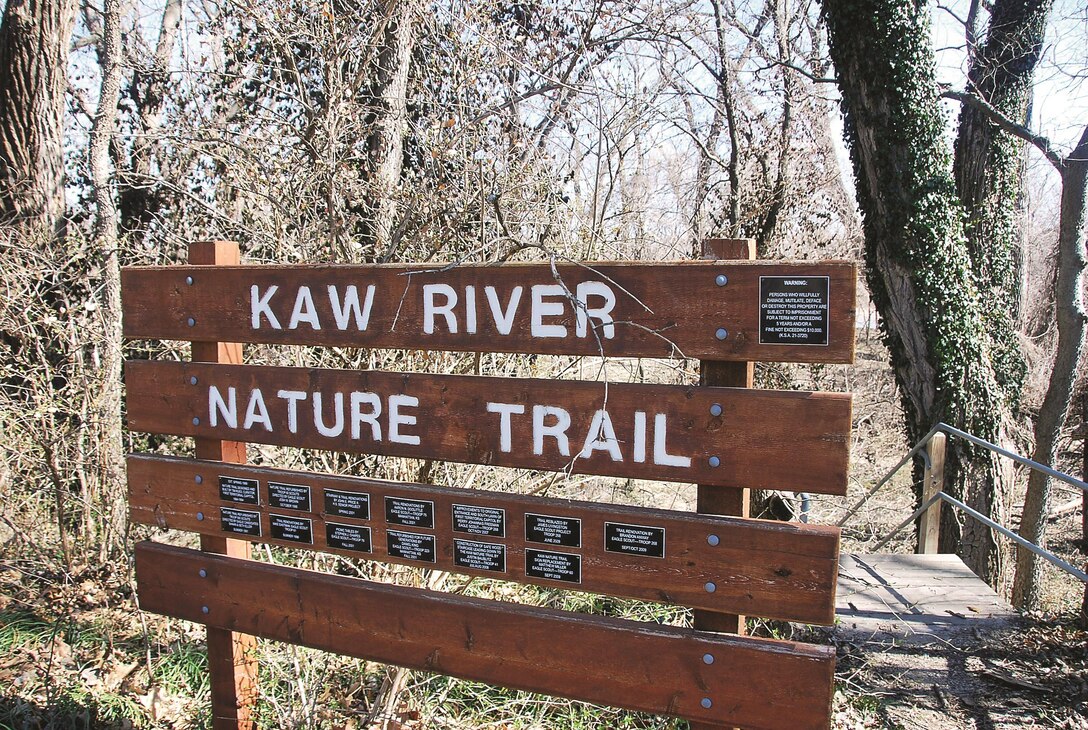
<point>915,599</point>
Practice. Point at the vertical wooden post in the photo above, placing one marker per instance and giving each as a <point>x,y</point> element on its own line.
<point>232,659</point>
<point>929,524</point>
<point>1084,496</point>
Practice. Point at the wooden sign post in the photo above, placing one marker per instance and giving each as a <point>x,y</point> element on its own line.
<point>720,434</point>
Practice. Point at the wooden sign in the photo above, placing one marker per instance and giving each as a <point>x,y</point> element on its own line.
<point>667,670</point>
<point>762,439</point>
<point>724,310</point>
<point>763,568</point>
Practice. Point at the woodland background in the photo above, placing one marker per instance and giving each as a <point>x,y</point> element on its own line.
<point>409,130</point>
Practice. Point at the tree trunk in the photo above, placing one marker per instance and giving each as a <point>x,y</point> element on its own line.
<point>918,264</point>
<point>1069,308</point>
<point>34,40</point>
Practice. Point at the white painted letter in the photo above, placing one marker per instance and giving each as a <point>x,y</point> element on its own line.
<point>338,415</point>
<point>217,407</point>
<point>542,309</point>
<point>256,412</point>
<point>504,410</point>
<point>470,310</point>
<point>304,310</point>
<point>640,437</point>
<point>601,437</point>
<point>358,398</point>
<point>661,456</point>
<point>504,321</point>
<point>292,397</point>
<point>258,305</point>
<point>396,418</point>
<point>342,310</point>
<point>446,310</point>
<point>558,429</point>
<point>583,311</point>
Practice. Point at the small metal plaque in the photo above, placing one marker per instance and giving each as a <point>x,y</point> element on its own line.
<point>472,520</point>
<point>410,546</point>
<point>293,529</point>
<point>563,567</point>
<point>634,539</point>
<point>240,521</point>
<point>348,537</point>
<point>793,310</point>
<point>289,496</point>
<point>487,556</point>
<point>347,504</point>
<point>236,489</point>
<point>565,531</point>
<point>409,512</point>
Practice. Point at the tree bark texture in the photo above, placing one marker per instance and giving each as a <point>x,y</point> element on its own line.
<point>34,40</point>
<point>988,166</point>
<point>918,263</point>
<point>1069,310</point>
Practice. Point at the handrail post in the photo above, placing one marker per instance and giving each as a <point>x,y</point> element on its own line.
<point>929,524</point>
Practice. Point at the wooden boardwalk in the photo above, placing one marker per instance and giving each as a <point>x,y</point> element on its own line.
<point>915,599</point>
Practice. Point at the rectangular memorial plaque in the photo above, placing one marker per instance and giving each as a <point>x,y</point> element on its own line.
<point>553,566</point>
<point>409,512</point>
<point>348,537</point>
<point>565,531</point>
<point>411,546</point>
<point>237,489</point>
<point>794,310</point>
<point>294,529</point>
<point>347,504</point>
<point>634,539</point>
<point>240,521</point>
<point>487,556</point>
<point>474,520</point>
<point>289,496</point>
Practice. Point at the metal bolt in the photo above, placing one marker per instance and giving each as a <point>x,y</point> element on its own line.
<point>204,574</point>
<point>721,334</point>
<point>710,587</point>
<point>712,540</point>
<point>192,380</point>
<point>708,658</point>
<point>715,410</point>
<point>706,703</point>
<point>721,280</point>
<point>192,323</point>
<point>189,280</point>
<point>196,421</point>
<point>199,516</point>
<point>198,479</point>
<point>715,461</point>
<point>205,609</point>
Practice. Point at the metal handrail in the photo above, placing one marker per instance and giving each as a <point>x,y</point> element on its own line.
<point>953,431</point>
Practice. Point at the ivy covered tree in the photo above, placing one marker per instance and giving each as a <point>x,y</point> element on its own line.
<point>941,233</point>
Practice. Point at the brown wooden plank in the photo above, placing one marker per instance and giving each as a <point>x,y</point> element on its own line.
<point>763,439</point>
<point>232,657</point>
<point>756,683</point>
<point>763,568</point>
<point>653,309</point>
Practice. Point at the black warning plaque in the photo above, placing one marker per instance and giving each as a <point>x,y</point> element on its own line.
<point>292,529</point>
<point>348,537</point>
<point>289,496</point>
<point>409,512</point>
<point>793,310</point>
<point>553,566</point>
<point>240,521</point>
<point>347,504</point>
<point>237,489</point>
<point>487,556</point>
<point>634,539</point>
<point>410,546</point>
<point>549,530</point>
<point>472,520</point>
